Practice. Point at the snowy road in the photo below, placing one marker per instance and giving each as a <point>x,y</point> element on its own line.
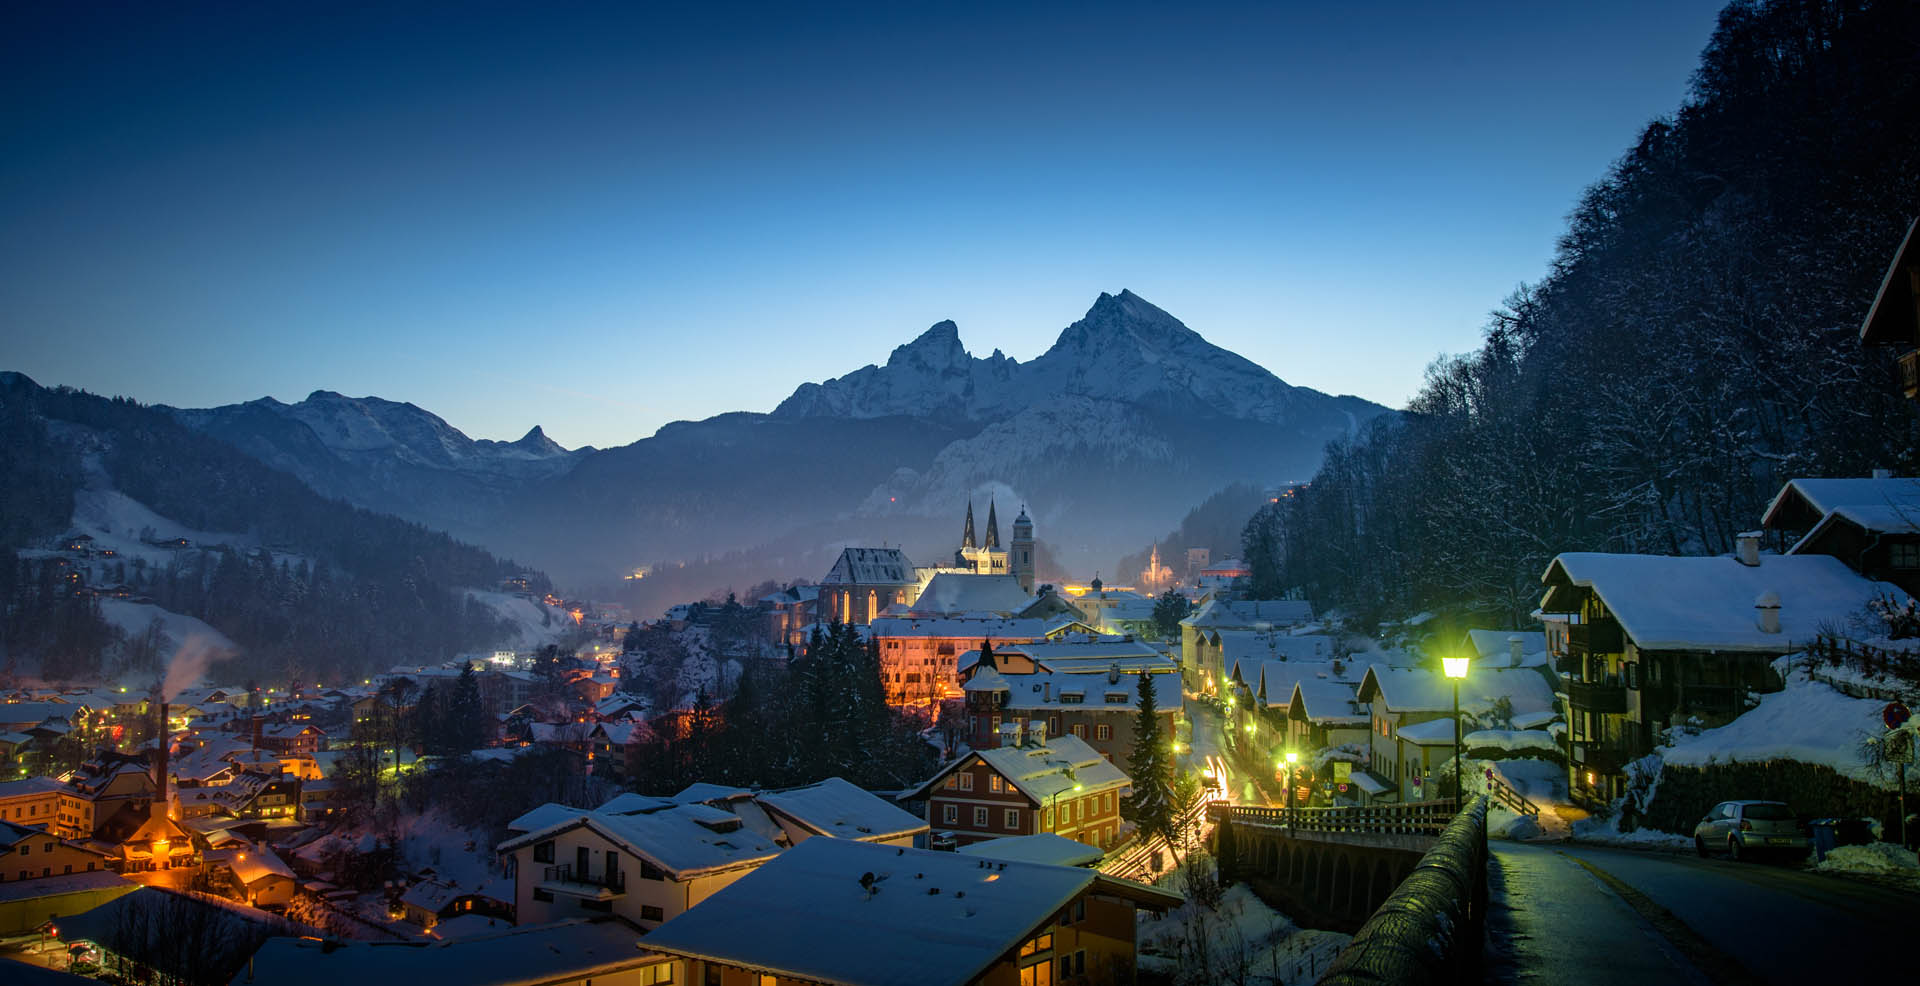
<point>1578,914</point>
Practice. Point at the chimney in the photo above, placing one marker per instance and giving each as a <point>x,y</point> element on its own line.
<point>1883,474</point>
<point>1010,733</point>
<point>1768,604</point>
<point>1113,673</point>
<point>159,809</point>
<point>1046,690</point>
<point>1746,548</point>
<point>1516,645</point>
<point>1036,732</point>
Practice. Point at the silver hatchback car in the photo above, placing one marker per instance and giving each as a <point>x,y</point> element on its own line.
<point>1746,829</point>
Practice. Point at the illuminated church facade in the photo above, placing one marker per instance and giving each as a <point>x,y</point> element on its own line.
<point>987,557</point>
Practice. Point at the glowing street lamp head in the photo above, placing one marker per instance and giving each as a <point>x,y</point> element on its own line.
<point>1455,667</point>
<point>1292,758</point>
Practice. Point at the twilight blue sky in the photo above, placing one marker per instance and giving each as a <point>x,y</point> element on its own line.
<point>600,219</point>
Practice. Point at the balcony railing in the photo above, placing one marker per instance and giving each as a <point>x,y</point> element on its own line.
<point>1604,758</point>
<point>1608,695</point>
<point>564,873</point>
<point>1598,637</point>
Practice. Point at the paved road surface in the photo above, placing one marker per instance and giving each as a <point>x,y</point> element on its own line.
<point>1579,914</point>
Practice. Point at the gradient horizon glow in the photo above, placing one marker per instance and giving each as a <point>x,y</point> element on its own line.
<point>601,219</point>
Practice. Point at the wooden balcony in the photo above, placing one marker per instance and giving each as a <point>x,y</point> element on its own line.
<point>563,879</point>
<point>1599,637</point>
<point>1608,695</point>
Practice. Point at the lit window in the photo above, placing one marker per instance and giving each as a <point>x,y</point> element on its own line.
<point>993,783</point>
<point>966,782</point>
<point>1103,731</point>
<point>950,814</point>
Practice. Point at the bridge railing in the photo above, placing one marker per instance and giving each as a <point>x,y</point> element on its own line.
<point>1433,928</point>
<point>1412,818</point>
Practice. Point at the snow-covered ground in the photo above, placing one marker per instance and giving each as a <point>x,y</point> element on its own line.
<point>535,625</point>
<point>1809,721</point>
<point>1542,782</point>
<point>1878,858</point>
<point>134,618</point>
<point>1243,939</point>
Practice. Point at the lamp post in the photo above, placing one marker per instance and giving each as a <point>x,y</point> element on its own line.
<point>1054,819</point>
<point>1456,669</point>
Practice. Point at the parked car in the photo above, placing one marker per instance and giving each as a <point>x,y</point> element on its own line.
<point>83,957</point>
<point>1746,829</point>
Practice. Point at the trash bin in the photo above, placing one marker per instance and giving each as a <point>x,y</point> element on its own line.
<point>1853,831</point>
<point>1825,839</point>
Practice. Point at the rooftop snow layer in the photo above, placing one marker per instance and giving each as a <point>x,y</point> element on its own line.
<point>959,592</point>
<point>1046,847</point>
<point>1707,603</point>
<point>569,951</point>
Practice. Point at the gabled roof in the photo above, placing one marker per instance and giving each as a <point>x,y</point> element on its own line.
<point>566,951</point>
<point>1248,613</point>
<point>1043,771</point>
<point>1665,602</point>
<point>1045,847</point>
<point>685,840</point>
<point>1419,690</point>
<point>1891,504</point>
<point>1273,682</point>
<point>1325,702</point>
<point>1890,320</point>
<point>1494,648</point>
<point>952,593</point>
<point>870,566</point>
<point>930,919</point>
<point>838,808</point>
<point>1081,692</point>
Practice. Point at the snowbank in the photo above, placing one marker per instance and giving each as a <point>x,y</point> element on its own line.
<point>1511,739</point>
<point>1874,857</point>
<point>1244,939</point>
<point>1809,722</point>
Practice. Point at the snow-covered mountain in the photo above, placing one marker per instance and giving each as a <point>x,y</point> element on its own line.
<point>388,456</point>
<point>1110,437</point>
<point>1124,350</point>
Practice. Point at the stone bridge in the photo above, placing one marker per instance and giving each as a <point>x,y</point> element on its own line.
<point>1327,868</point>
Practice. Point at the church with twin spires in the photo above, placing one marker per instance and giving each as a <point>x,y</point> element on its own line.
<point>988,558</point>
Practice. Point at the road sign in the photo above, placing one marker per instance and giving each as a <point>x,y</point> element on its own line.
<point>1342,770</point>
<point>1895,714</point>
<point>1343,789</point>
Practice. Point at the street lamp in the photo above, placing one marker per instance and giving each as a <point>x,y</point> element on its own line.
<point>1456,669</point>
<point>1052,818</point>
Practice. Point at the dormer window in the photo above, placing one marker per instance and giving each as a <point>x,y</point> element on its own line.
<point>1116,698</point>
<point>1072,698</point>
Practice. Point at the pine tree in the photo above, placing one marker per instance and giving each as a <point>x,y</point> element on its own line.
<point>1149,804</point>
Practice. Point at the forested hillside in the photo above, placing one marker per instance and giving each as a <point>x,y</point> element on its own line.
<point>306,586</point>
<point>1694,344</point>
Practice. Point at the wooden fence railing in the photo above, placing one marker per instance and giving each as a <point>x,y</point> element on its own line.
<point>1412,818</point>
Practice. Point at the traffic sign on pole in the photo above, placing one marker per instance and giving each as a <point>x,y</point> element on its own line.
<point>1895,714</point>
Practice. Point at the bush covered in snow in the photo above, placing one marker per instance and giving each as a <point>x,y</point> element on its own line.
<point>1686,793</point>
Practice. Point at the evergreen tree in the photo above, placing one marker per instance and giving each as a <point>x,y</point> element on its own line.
<point>1149,767</point>
<point>465,713</point>
<point>1168,611</point>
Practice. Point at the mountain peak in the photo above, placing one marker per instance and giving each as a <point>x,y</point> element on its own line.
<point>937,348</point>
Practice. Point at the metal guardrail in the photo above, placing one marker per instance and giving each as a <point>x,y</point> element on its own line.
<point>1433,928</point>
<point>1411,818</point>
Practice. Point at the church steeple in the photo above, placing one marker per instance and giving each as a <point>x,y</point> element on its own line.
<point>993,527</point>
<point>966,539</point>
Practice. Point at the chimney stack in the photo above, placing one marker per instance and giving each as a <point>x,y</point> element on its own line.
<point>1768,604</point>
<point>1516,646</point>
<point>1746,548</point>
<point>1113,673</point>
<point>1036,732</point>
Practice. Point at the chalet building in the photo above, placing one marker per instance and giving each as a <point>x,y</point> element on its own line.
<point>1027,785</point>
<point>1410,716</point>
<point>292,738</point>
<point>919,658</point>
<point>1894,318</point>
<point>262,879</point>
<point>1655,641</point>
<point>1259,690</point>
<point>1332,687</point>
<point>1070,651</point>
<point>877,915</point>
<point>1101,709</point>
<point>44,803</point>
<point>1325,715</point>
<point>647,859</point>
<point>429,902</point>
<point>1872,524</point>
<point>568,953</point>
<point>864,582</point>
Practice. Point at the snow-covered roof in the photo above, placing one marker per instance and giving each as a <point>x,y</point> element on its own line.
<point>1273,681</point>
<point>251,863</point>
<point>991,628</point>
<point>1087,654</point>
<point>703,791</point>
<point>1895,501</point>
<point>1420,690</point>
<point>430,895</point>
<point>1043,771</point>
<point>1326,701</point>
<point>1666,602</point>
<point>964,592</point>
<point>1433,732</point>
<point>545,816</point>
<point>1054,690</point>
<point>1248,613</point>
<point>567,951</point>
<point>685,840</point>
<point>1045,847</point>
<point>838,808</point>
<point>1238,645</point>
<point>931,918</point>
<point>870,566</point>
<point>1494,648</point>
